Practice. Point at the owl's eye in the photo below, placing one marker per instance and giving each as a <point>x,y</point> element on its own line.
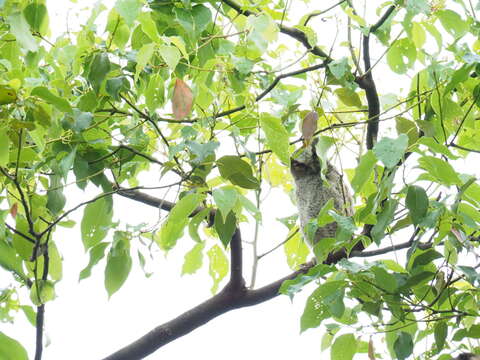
<point>298,164</point>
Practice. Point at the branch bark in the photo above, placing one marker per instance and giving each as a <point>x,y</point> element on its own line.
<point>367,83</point>
<point>230,298</point>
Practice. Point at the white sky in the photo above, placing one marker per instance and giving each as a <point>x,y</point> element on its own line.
<point>83,324</point>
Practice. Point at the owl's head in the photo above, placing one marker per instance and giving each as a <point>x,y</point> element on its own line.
<point>305,162</point>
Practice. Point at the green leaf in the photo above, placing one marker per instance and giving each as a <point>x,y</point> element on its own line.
<point>439,170</point>
<point>277,137</point>
<point>418,6</point>
<point>55,268</point>
<point>20,28</point>
<point>344,222</point>
<point>56,199</point>
<point>36,16</point>
<point>436,147</point>
<point>453,23</point>
<point>349,97</point>
<point>193,259</point>
<point>218,267</point>
<point>363,170</point>
<point>403,346</point>
<point>408,127</point>
<point>88,101</point>
<point>148,26</point>
<point>42,291</point>
<point>425,257</point>
<point>384,279</point>
<point>45,94</point>
<point>97,253</point>
<point>440,333</point>
<point>9,260</point>
<point>201,151</point>
<point>117,85</point>
<point>323,248</point>
<point>248,205</point>
<point>155,93</point>
<point>4,147</point>
<point>202,17</point>
<point>195,223</point>
<point>22,247</point>
<point>66,163</point>
<point>143,57</point>
<point>296,251</point>
<point>225,229</point>
<point>99,68</point>
<point>11,349</point>
<point>225,198</point>
<point>96,221</point>
<point>390,151</point>
<point>339,68</point>
<point>170,54</point>
<point>316,308</point>
<point>459,76</point>
<point>417,203</point>
<point>119,264</point>
<point>172,228</point>
<point>344,347</point>
<point>264,31</point>
<point>293,286</point>
<point>418,35</point>
<point>237,171</point>
<point>470,273</point>
<point>324,143</point>
<point>402,55</point>
<point>81,120</point>
<point>383,220</point>
<point>473,332</point>
<point>129,10</point>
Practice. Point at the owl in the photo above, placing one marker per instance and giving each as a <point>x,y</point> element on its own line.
<point>312,191</point>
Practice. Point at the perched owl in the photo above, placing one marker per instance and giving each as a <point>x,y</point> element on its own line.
<point>312,192</point>
<point>467,356</point>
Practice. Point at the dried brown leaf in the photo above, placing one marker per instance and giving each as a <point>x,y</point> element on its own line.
<point>309,125</point>
<point>182,100</point>
<point>14,210</point>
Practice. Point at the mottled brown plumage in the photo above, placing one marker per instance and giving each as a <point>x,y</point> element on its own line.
<point>312,192</point>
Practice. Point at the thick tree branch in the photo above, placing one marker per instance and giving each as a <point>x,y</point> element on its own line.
<point>367,83</point>
<point>230,298</point>
<point>236,260</point>
<point>39,331</point>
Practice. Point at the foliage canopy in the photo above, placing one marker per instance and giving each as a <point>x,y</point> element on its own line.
<point>211,95</point>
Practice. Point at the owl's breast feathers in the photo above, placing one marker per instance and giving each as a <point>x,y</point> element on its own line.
<point>313,192</point>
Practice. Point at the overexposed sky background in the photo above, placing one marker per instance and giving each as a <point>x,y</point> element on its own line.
<point>83,324</point>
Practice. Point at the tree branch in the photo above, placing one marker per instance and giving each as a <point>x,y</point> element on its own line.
<point>26,237</point>
<point>296,34</point>
<point>159,203</point>
<point>23,200</point>
<point>236,266</point>
<point>230,298</point>
<point>367,83</point>
<point>271,87</point>
<point>464,148</point>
